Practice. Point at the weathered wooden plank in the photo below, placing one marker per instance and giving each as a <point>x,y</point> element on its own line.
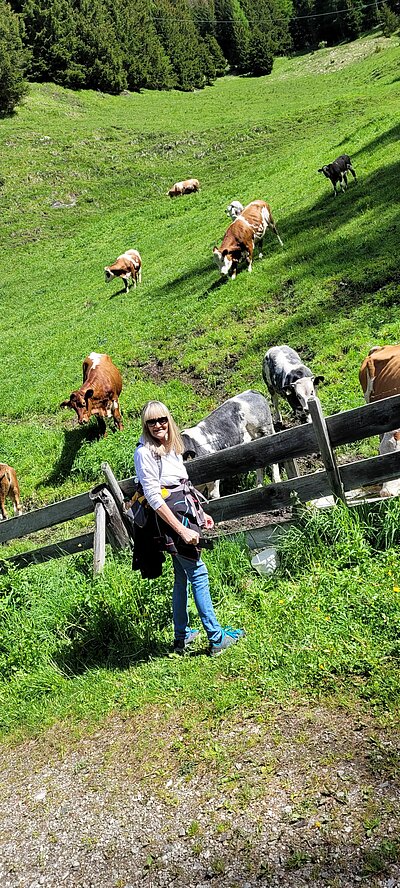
<point>113,484</point>
<point>343,428</point>
<point>308,487</point>
<point>57,550</point>
<point>99,539</point>
<point>57,513</point>
<point>326,451</point>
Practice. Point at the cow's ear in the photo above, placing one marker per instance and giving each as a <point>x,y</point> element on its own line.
<point>89,394</point>
<point>318,379</point>
<point>66,403</point>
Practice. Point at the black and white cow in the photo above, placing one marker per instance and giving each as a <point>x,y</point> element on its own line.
<point>234,209</point>
<point>286,375</point>
<point>337,172</point>
<point>237,421</point>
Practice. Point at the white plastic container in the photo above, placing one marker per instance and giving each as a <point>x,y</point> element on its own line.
<point>265,562</point>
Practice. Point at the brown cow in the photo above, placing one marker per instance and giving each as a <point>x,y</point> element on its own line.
<point>380,378</point>
<point>9,487</point>
<point>247,229</point>
<point>188,186</point>
<point>98,396</point>
<point>128,266</point>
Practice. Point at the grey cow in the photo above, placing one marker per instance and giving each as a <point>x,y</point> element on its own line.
<point>285,375</point>
<point>237,421</point>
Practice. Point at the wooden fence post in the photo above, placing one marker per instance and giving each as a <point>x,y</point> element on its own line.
<point>327,453</point>
<point>113,484</point>
<point>99,539</point>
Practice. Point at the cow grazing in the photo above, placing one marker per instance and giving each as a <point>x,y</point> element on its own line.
<point>128,266</point>
<point>337,172</point>
<point>188,186</point>
<point>286,375</point>
<point>99,393</point>
<point>237,421</point>
<point>380,378</point>
<point>248,229</point>
<point>234,209</point>
<point>9,487</point>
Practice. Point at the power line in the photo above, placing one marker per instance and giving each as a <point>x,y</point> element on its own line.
<point>296,18</point>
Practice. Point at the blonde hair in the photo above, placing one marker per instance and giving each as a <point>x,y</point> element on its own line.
<point>153,410</point>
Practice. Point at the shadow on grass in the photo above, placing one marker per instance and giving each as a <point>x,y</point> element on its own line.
<point>73,441</point>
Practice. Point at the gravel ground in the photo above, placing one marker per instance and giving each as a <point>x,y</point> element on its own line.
<point>281,796</point>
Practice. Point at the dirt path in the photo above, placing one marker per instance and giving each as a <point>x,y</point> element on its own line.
<point>279,796</point>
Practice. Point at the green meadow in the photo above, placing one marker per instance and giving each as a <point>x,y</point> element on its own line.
<point>85,178</point>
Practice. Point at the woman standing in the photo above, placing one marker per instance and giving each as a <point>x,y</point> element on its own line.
<point>162,474</point>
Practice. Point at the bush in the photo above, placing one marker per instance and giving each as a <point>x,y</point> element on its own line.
<point>389,20</point>
<point>12,85</point>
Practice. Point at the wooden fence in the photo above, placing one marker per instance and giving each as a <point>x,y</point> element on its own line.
<point>322,436</point>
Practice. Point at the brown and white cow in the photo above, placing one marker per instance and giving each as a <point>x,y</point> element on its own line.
<point>380,378</point>
<point>9,487</point>
<point>188,186</point>
<point>128,266</point>
<point>248,229</point>
<point>98,395</point>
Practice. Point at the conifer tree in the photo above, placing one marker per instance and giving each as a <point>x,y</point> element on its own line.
<point>12,84</point>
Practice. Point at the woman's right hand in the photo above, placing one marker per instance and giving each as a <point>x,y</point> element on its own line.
<point>190,536</point>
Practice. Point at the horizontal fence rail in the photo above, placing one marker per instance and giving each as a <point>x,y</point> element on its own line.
<point>340,428</point>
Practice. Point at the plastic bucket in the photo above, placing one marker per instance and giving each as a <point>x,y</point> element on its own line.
<point>265,562</point>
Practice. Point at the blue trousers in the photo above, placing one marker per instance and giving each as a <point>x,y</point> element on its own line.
<point>187,571</point>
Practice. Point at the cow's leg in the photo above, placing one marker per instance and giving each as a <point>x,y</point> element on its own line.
<point>139,276</point>
<point>249,259</point>
<point>213,490</point>
<point>2,508</point>
<point>14,492</point>
<point>116,415</point>
<point>274,229</point>
<point>275,401</point>
<point>352,171</point>
<point>102,428</point>
<point>390,443</point>
<point>345,179</point>
<point>341,182</point>
<point>334,188</point>
<point>276,476</point>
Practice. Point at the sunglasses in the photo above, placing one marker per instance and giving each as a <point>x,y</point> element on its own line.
<point>161,420</point>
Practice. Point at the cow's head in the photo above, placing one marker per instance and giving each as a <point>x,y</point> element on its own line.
<point>224,260</point>
<point>81,403</point>
<point>108,274</point>
<point>234,210</point>
<point>299,394</point>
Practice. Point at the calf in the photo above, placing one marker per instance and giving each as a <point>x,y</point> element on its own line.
<point>380,378</point>
<point>285,375</point>
<point>237,421</point>
<point>128,266</point>
<point>337,172</point>
<point>188,186</point>
<point>98,395</point>
<point>9,487</point>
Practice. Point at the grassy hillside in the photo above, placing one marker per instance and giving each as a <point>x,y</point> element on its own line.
<point>85,178</point>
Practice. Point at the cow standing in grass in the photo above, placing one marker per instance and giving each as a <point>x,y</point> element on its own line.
<point>380,378</point>
<point>287,377</point>
<point>9,488</point>
<point>99,393</point>
<point>188,186</point>
<point>239,420</point>
<point>128,267</point>
<point>337,172</point>
<point>248,229</point>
